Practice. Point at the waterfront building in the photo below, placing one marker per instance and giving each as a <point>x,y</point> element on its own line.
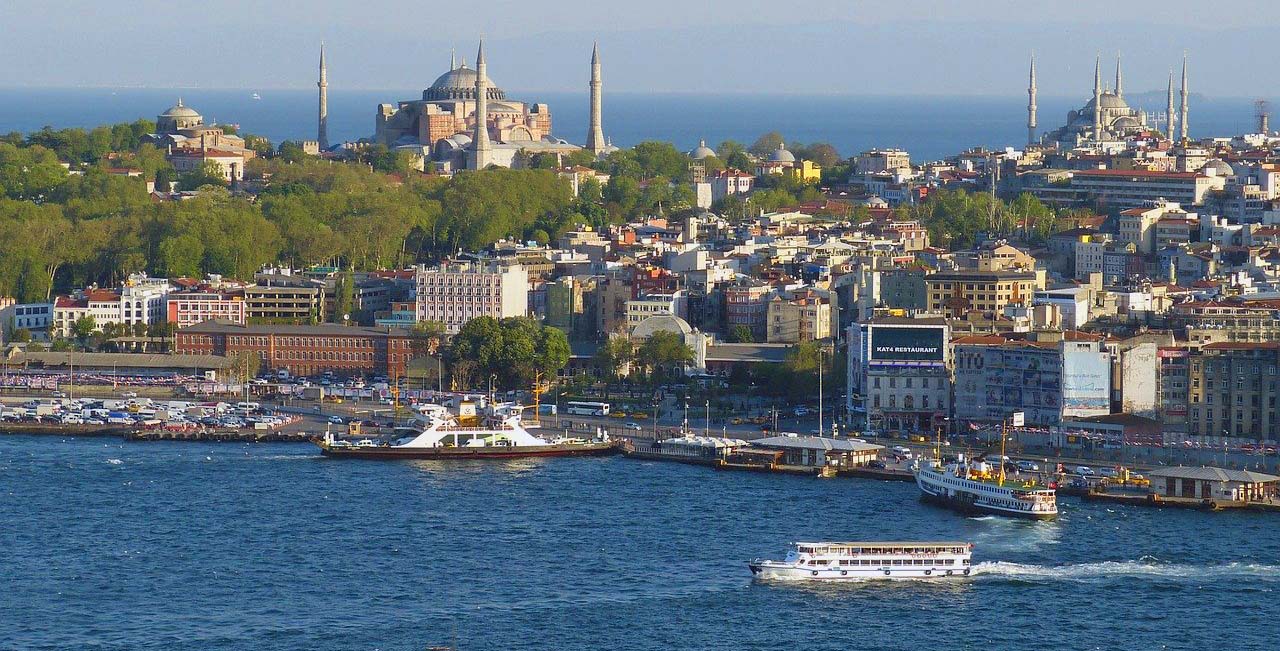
<point>456,292</point>
<point>899,375</point>
<point>303,349</point>
<point>1047,380</point>
<point>1208,483</point>
<point>819,451</point>
<point>1234,390</point>
<point>140,300</point>
<point>188,308</point>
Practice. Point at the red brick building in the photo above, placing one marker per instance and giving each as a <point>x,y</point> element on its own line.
<point>303,350</point>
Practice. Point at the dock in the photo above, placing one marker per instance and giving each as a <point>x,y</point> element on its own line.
<point>131,433</point>
<point>1161,501</point>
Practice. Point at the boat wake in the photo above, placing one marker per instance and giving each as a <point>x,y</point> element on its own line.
<point>115,462</point>
<point>1145,567</point>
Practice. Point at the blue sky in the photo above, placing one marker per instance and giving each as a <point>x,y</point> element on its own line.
<point>739,46</point>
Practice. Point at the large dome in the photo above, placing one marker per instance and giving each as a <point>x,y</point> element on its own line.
<point>180,111</point>
<point>1109,101</point>
<point>460,83</point>
<point>781,155</point>
<point>702,151</point>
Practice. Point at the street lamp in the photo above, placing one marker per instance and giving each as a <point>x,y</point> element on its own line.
<point>706,428</point>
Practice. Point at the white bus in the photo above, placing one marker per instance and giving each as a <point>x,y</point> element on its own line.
<point>587,408</point>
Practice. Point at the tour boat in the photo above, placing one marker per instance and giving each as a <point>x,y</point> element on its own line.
<point>860,561</point>
<point>437,436</point>
<point>972,487</point>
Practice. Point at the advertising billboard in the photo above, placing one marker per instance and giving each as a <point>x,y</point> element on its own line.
<point>1086,384</point>
<point>902,343</point>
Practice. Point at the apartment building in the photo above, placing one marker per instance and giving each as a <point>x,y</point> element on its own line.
<point>186,309</point>
<point>297,305</point>
<point>457,292</point>
<point>1134,188</point>
<point>804,316</point>
<point>956,293</point>
<point>1234,390</point>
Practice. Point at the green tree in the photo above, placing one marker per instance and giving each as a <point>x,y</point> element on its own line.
<point>62,345</point>
<point>83,327</point>
<point>664,354</point>
<point>426,338</point>
<point>766,144</point>
<point>209,173</point>
<point>21,335</point>
<point>741,334</point>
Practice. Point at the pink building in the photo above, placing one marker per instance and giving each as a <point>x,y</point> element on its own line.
<point>189,308</point>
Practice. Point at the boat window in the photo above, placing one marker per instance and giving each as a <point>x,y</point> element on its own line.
<point>966,561</point>
<point>951,561</point>
<point>897,561</point>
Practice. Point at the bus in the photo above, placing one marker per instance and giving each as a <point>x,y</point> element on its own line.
<point>587,408</point>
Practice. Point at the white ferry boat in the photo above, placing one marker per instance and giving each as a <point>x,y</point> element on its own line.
<point>437,436</point>
<point>970,486</point>
<point>861,561</point>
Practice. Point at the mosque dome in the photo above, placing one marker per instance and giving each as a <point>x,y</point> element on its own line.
<point>460,83</point>
<point>1109,101</point>
<point>782,155</point>
<point>1218,167</point>
<point>702,151</point>
<point>1126,122</point>
<point>180,111</point>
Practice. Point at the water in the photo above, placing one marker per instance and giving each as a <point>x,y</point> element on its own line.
<point>929,127</point>
<point>108,545</point>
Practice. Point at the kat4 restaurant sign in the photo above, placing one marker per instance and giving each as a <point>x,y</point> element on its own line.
<point>909,344</point>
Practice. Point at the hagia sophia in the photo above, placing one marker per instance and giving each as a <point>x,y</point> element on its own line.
<point>442,127</point>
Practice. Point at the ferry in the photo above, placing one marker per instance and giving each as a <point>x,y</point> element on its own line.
<point>971,487</point>
<point>438,436</point>
<point>862,561</point>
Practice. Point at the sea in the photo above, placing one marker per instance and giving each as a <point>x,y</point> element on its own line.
<point>928,127</point>
<point>112,545</point>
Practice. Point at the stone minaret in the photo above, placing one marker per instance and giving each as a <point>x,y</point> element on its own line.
<point>1097,100</point>
<point>1031,104</point>
<point>1169,116</point>
<point>595,133</point>
<point>1182,112</point>
<point>480,141</point>
<point>323,132</point>
<point>1119,79</point>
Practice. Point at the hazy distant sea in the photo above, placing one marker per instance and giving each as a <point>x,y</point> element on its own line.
<point>928,127</point>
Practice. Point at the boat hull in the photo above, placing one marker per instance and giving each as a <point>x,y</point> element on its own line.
<point>767,571</point>
<point>973,504</point>
<point>461,453</point>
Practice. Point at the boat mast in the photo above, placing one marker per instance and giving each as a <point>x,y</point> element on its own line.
<point>1003,435</point>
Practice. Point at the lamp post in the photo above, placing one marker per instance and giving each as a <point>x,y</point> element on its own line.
<point>706,428</point>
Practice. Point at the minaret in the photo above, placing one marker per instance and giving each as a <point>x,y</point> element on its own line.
<point>480,141</point>
<point>1031,104</point>
<point>1169,116</point>
<point>595,134</point>
<point>1097,100</point>
<point>1182,112</point>
<point>323,84</point>
<point>1119,79</point>
<point>453,59</point>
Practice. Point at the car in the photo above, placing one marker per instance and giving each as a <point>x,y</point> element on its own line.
<point>335,420</point>
<point>632,425</point>
<point>1108,472</point>
<point>877,464</point>
<point>902,451</point>
<point>1085,471</point>
<point>129,394</point>
<point>59,394</point>
<point>801,411</point>
<point>735,421</point>
<point>1028,466</point>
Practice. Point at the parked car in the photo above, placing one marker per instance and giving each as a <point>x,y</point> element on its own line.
<point>902,451</point>
<point>632,425</point>
<point>877,464</point>
<point>335,420</point>
<point>801,411</point>
<point>129,394</point>
<point>1085,471</point>
<point>1028,466</point>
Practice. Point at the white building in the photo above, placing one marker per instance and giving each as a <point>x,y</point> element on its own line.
<point>1073,304</point>
<point>458,292</point>
<point>141,300</point>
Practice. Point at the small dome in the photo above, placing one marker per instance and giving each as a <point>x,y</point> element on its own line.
<point>782,155</point>
<point>1219,167</point>
<point>180,111</point>
<point>702,151</point>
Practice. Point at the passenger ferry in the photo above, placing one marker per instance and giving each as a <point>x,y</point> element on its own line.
<point>861,561</point>
<point>971,487</point>
<point>438,436</point>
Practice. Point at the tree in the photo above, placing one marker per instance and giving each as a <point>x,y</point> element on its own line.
<point>612,357</point>
<point>208,173</point>
<point>766,144</point>
<point>244,366</point>
<point>345,295</point>
<point>741,334</point>
<point>512,349</point>
<point>21,335</point>
<point>426,338</point>
<point>83,327</point>
<point>62,346</point>
<point>821,153</point>
<point>664,354</point>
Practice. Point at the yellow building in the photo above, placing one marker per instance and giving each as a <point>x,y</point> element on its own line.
<point>805,171</point>
<point>959,292</point>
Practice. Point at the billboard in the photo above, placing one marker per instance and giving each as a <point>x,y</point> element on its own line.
<point>1086,383</point>
<point>904,343</point>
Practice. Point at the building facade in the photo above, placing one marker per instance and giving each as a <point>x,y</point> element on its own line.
<point>303,350</point>
<point>956,293</point>
<point>186,309</point>
<point>1234,390</point>
<point>899,374</point>
<point>455,293</point>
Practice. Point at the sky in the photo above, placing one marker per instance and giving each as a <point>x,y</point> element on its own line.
<point>904,47</point>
